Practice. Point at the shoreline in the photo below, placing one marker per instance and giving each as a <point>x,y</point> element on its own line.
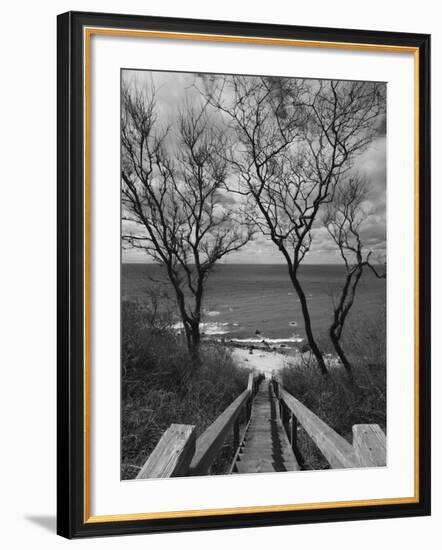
<point>266,362</point>
<point>270,360</point>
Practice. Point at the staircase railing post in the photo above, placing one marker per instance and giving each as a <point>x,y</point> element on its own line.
<point>294,432</point>
<point>279,386</point>
<point>370,445</point>
<point>172,455</point>
<point>285,417</point>
<point>236,434</point>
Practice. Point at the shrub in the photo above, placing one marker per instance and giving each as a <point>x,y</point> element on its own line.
<point>161,385</point>
<point>335,400</point>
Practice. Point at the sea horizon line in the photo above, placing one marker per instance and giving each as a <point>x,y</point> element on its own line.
<point>243,263</point>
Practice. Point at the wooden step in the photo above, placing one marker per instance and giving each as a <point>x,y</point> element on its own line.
<point>263,465</point>
<point>257,437</point>
<point>265,447</point>
<point>255,466</point>
<point>255,454</point>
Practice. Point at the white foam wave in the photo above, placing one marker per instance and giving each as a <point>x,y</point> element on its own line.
<point>270,341</point>
<point>212,313</point>
<point>212,329</point>
<point>208,329</point>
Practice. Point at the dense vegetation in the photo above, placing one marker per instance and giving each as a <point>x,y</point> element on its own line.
<point>162,385</point>
<point>336,400</point>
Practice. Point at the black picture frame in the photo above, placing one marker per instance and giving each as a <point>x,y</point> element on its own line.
<point>72,520</point>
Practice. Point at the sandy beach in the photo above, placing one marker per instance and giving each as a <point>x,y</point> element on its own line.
<point>263,361</point>
<point>269,361</point>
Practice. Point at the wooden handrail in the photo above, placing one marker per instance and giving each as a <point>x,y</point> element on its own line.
<point>210,442</point>
<point>177,453</point>
<point>369,443</point>
<point>338,452</point>
<point>172,455</point>
<point>250,382</point>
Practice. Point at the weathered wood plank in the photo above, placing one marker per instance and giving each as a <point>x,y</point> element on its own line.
<point>370,444</point>
<point>293,432</point>
<point>236,433</point>
<point>338,452</point>
<point>267,452</point>
<point>172,455</point>
<point>278,385</point>
<point>255,466</point>
<point>266,447</point>
<point>209,443</point>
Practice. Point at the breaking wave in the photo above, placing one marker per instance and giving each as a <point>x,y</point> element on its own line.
<point>293,339</point>
<point>207,329</point>
<point>212,313</point>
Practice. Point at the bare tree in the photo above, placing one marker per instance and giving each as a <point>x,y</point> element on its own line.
<point>172,196</point>
<point>295,140</point>
<point>343,220</point>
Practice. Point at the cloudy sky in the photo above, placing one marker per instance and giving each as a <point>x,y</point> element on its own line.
<point>172,89</point>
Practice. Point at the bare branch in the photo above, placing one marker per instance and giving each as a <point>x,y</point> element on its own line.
<point>343,220</point>
<point>295,140</point>
<point>173,192</point>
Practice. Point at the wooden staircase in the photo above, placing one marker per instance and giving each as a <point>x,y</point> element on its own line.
<point>265,446</point>
<point>264,419</point>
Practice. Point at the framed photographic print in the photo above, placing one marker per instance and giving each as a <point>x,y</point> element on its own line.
<point>243,274</point>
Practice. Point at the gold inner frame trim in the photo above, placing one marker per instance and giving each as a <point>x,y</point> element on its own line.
<point>87,34</point>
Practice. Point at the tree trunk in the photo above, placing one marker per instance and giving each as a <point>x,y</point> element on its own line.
<point>193,340</point>
<point>340,315</point>
<point>345,362</point>
<point>191,326</point>
<point>308,326</point>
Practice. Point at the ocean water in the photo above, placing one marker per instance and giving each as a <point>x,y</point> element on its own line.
<point>245,302</point>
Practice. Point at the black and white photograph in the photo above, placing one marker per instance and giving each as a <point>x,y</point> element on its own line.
<point>253,293</point>
<point>220,231</point>
<point>243,274</point>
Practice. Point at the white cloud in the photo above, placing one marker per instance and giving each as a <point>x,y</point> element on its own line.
<point>172,89</point>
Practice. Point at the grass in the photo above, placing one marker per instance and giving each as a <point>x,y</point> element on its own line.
<point>336,401</point>
<point>161,386</point>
